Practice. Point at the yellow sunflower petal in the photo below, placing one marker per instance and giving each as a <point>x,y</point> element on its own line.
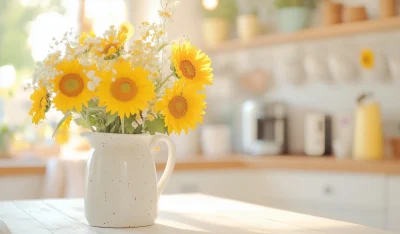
<point>40,104</point>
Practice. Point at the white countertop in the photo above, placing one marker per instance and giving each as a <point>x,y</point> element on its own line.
<point>178,214</point>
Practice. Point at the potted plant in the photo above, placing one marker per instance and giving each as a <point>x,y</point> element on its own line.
<point>293,15</point>
<point>218,21</point>
<point>6,136</point>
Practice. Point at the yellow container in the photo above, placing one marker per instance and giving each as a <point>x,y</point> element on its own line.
<point>368,136</point>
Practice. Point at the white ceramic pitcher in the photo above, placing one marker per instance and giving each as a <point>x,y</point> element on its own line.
<point>121,185</point>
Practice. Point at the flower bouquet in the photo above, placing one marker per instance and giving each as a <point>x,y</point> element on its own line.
<point>124,91</point>
<point>108,83</point>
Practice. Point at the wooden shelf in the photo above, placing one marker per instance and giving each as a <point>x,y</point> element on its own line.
<point>339,30</point>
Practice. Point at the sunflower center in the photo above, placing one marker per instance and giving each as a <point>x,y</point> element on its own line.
<point>187,68</point>
<point>178,107</point>
<point>123,89</point>
<point>71,85</point>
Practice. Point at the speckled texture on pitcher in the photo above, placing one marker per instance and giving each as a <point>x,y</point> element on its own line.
<point>121,186</point>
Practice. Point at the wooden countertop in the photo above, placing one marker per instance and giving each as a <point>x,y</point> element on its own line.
<point>284,162</point>
<point>289,162</point>
<point>184,214</point>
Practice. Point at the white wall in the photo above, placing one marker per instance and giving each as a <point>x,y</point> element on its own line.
<point>331,96</point>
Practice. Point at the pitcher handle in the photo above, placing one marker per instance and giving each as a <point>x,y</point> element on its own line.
<point>170,162</point>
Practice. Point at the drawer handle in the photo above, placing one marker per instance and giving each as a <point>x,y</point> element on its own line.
<point>328,190</point>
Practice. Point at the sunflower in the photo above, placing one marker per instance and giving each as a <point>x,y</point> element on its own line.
<point>113,42</point>
<point>70,86</point>
<point>367,59</point>
<point>182,107</point>
<point>126,91</point>
<point>191,65</point>
<point>40,105</point>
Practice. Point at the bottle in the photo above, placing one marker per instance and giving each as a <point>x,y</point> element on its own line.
<point>368,135</point>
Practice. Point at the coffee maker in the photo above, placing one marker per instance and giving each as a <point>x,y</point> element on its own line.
<point>264,128</point>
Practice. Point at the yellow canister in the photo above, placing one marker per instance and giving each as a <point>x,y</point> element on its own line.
<point>368,136</point>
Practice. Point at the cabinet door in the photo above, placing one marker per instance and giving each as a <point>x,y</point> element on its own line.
<point>375,219</point>
<point>346,190</point>
<point>393,222</point>
<point>357,198</point>
<point>242,185</point>
<point>21,187</point>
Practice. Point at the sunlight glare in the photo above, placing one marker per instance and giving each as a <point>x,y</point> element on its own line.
<point>7,76</point>
<point>210,4</point>
<point>43,29</point>
<point>105,13</point>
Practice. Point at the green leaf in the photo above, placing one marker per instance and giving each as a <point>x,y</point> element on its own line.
<point>81,122</point>
<point>129,129</point>
<point>61,122</point>
<point>110,118</point>
<point>157,125</point>
<point>116,127</point>
<point>93,103</point>
<point>138,130</point>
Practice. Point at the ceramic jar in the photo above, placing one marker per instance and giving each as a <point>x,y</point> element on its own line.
<point>387,8</point>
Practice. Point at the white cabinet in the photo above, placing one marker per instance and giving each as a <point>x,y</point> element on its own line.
<point>21,187</point>
<point>346,190</point>
<point>393,222</point>
<point>357,198</point>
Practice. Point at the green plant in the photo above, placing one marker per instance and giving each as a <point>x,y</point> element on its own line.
<point>6,135</point>
<point>294,3</point>
<point>226,9</point>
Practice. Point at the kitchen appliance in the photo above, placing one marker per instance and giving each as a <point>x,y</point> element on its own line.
<point>264,128</point>
<point>368,135</point>
<point>317,134</point>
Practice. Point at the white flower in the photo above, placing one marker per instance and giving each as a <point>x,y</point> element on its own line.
<point>90,74</point>
<point>96,80</point>
<point>139,119</point>
<point>134,124</point>
<point>91,86</point>
<point>145,112</point>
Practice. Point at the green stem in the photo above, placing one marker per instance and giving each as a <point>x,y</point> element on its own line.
<point>163,46</point>
<point>123,124</point>
<point>164,81</point>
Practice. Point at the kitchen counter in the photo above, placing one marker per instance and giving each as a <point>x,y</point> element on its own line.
<point>289,162</point>
<point>178,214</point>
<point>286,162</point>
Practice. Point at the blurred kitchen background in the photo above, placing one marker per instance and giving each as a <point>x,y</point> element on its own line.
<point>304,113</point>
